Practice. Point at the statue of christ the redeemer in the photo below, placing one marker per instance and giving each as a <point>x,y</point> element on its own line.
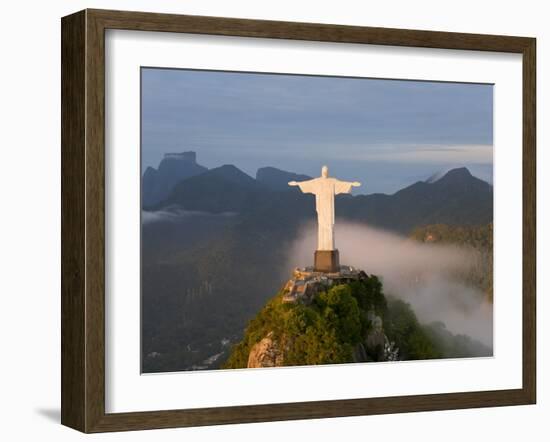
<point>325,188</point>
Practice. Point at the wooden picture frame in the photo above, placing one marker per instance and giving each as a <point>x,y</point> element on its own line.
<point>83,220</point>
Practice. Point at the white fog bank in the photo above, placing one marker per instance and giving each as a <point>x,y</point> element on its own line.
<point>421,274</point>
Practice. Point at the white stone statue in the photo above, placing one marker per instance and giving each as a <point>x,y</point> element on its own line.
<point>324,188</point>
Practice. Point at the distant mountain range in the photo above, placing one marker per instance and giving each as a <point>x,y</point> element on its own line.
<point>456,198</point>
<point>277,179</point>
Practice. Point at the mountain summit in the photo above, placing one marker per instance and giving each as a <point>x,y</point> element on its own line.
<point>457,173</point>
<point>174,167</point>
<point>277,179</point>
<point>457,198</point>
<point>230,173</point>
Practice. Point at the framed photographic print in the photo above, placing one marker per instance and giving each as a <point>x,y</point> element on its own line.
<point>271,220</point>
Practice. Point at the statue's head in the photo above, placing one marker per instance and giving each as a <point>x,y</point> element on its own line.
<point>324,172</point>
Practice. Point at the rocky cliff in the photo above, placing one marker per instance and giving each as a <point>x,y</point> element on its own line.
<point>266,353</point>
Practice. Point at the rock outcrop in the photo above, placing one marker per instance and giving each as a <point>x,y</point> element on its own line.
<point>306,282</point>
<point>266,353</point>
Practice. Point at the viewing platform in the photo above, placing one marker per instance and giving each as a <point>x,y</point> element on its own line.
<point>306,282</point>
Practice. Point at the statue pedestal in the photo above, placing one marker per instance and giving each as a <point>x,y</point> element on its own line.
<point>327,261</point>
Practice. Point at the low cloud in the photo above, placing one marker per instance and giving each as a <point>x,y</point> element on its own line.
<point>425,275</point>
<point>175,214</point>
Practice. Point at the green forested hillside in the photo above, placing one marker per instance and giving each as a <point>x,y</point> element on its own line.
<point>330,329</point>
<point>478,239</point>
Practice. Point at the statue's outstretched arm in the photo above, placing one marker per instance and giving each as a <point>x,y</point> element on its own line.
<point>307,186</point>
<point>345,186</point>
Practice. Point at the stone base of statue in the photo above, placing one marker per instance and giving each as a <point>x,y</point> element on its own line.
<point>327,261</point>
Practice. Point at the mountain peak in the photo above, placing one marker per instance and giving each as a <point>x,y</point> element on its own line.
<point>458,176</point>
<point>231,173</point>
<point>174,167</point>
<point>228,167</point>
<point>277,179</point>
<point>188,156</point>
<point>458,173</point>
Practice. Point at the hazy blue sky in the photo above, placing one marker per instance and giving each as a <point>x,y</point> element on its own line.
<point>385,133</point>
